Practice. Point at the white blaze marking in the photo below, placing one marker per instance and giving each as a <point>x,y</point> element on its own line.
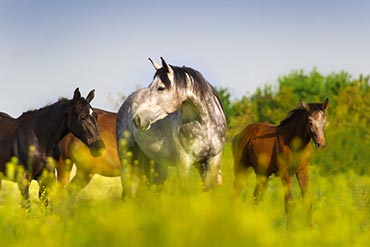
<point>91,112</point>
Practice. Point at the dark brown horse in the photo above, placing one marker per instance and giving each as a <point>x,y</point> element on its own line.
<point>72,150</point>
<point>282,150</point>
<point>33,137</point>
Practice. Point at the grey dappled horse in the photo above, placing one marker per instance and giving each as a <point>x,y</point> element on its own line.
<point>177,121</point>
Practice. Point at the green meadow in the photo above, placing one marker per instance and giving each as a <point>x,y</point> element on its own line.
<point>174,216</point>
<point>171,217</point>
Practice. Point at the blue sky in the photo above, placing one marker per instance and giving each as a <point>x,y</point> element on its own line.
<point>48,48</point>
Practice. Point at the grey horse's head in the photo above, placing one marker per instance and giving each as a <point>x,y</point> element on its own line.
<point>170,87</point>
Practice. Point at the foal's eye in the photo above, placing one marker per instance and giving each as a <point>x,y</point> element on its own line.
<point>161,88</point>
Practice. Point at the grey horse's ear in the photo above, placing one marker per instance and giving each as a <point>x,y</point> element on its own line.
<point>325,103</point>
<point>166,66</point>
<point>155,65</point>
<point>76,95</point>
<point>304,105</point>
<point>90,96</point>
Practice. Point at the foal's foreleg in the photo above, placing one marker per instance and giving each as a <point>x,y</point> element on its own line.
<point>303,177</point>
<point>241,174</point>
<point>287,186</point>
<point>259,190</point>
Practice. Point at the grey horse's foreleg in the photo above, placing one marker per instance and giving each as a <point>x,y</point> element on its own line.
<point>160,174</point>
<point>212,175</point>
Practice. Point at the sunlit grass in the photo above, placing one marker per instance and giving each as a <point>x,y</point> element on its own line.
<point>175,217</point>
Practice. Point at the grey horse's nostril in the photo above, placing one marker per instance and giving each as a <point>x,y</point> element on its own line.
<point>136,121</point>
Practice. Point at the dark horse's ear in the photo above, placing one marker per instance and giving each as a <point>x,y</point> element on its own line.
<point>166,67</point>
<point>76,95</point>
<point>90,96</point>
<point>304,105</point>
<point>325,103</point>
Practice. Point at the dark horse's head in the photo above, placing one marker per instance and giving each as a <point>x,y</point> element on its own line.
<point>82,122</point>
<point>316,121</point>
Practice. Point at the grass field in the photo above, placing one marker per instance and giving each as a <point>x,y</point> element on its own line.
<point>98,217</point>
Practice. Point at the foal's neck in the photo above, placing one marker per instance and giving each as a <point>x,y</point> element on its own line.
<point>296,128</point>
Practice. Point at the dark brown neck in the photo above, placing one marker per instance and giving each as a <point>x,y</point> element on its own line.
<point>295,131</point>
<point>51,125</point>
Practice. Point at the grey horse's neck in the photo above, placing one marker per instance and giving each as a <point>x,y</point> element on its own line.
<point>205,110</point>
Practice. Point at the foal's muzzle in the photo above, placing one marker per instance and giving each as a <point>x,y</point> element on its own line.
<point>319,142</point>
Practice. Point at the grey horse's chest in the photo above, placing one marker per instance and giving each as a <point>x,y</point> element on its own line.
<point>173,143</point>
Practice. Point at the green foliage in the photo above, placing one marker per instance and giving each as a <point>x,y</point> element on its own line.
<point>224,95</point>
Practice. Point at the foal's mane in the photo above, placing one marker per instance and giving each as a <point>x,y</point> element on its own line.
<point>291,115</point>
<point>299,110</point>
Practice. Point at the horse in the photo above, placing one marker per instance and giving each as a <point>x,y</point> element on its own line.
<point>6,123</point>
<point>72,150</point>
<point>177,121</point>
<point>282,150</point>
<point>32,139</point>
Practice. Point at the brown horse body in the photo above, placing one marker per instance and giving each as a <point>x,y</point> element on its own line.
<point>282,150</point>
<point>72,150</point>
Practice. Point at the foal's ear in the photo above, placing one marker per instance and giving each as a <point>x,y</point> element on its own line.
<point>167,67</point>
<point>76,95</point>
<point>325,103</point>
<point>90,96</point>
<point>304,105</point>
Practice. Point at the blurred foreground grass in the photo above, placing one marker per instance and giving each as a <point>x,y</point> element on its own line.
<point>98,217</point>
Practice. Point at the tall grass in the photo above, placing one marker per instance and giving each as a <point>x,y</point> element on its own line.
<point>174,217</point>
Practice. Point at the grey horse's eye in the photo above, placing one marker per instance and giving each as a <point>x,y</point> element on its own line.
<point>161,88</point>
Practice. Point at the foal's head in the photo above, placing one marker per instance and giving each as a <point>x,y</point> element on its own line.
<point>316,121</point>
<point>82,122</point>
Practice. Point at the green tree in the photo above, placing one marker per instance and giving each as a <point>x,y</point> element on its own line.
<point>224,95</point>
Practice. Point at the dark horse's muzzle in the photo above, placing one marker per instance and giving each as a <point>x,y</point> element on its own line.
<point>97,148</point>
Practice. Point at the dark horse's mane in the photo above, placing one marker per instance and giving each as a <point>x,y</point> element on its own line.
<point>47,107</point>
<point>201,86</point>
<point>298,111</point>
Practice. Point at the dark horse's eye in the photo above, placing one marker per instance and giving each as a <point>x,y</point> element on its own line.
<point>161,88</point>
